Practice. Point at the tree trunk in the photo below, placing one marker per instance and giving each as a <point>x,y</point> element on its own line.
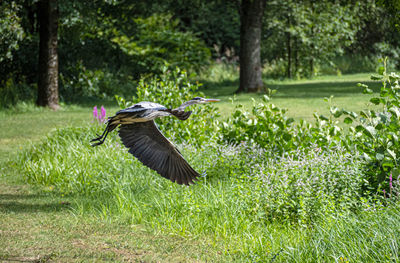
<point>296,57</point>
<point>312,45</point>
<point>48,57</point>
<point>289,56</point>
<point>251,15</point>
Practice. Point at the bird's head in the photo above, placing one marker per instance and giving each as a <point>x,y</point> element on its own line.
<point>200,100</point>
<point>196,100</point>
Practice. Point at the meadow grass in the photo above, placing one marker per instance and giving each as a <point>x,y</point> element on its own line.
<point>233,209</point>
<point>301,97</point>
<point>101,204</point>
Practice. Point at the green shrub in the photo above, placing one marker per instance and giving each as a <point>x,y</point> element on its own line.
<point>11,30</point>
<point>12,92</point>
<point>299,187</point>
<point>376,133</point>
<point>270,128</point>
<point>171,89</point>
<point>78,83</point>
<point>158,43</point>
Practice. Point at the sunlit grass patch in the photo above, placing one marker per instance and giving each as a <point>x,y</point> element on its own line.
<point>248,203</point>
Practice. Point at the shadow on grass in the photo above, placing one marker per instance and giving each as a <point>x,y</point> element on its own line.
<point>312,89</point>
<point>31,203</point>
<point>20,196</point>
<point>321,89</point>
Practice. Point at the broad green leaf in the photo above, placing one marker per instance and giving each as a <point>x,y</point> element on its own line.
<point>391,154</point>
<point>366,157</point>
<point>379,156</point>
<point>287,136</point>
<point>370,131</point>
<point>375,101</point>
<point>322,117</point>
<point>348,120</point>
<point>376,77</point>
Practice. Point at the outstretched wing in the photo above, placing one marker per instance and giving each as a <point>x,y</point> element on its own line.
<point>149,145</point>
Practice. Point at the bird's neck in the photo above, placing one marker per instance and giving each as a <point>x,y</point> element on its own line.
<point>184,105</point>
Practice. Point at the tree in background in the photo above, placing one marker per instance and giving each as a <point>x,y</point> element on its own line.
<point>48,57</point>
<point>11,32</point>
<point>251,17</point>
<point>134,38</point>
<point>302,36</point>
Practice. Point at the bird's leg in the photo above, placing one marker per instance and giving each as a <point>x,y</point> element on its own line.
<point>100,140</point>
<point>99,137</point>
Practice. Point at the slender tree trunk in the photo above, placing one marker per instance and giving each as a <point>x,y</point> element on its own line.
<point>251,14</point>
<point>312,45</point>
<point>48,57</point>
<point>288,45</point>
<point>296,56</point>
<point>289,49</point>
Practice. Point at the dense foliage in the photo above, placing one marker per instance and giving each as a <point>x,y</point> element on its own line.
<point>375,135</point>
<point>300,39</point>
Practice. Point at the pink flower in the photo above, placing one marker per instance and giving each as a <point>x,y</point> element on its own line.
<point>99,116</point>
<point>390,181</point>
<point>103,114</point>
<point>95,112</point>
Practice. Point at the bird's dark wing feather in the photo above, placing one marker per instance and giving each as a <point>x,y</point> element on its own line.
<point>148,144</point>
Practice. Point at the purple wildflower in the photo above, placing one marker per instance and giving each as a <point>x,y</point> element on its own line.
<point>390,181</point>
<point>103,114</point>
<point>95,112</point>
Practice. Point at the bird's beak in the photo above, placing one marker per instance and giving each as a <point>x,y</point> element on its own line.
<point>212,100</point>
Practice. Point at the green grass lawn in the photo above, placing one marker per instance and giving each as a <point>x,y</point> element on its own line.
<point>301,97</point>
<point>37,225</point>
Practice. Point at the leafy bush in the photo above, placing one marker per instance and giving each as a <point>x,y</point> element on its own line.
<point>79,82</point>
<point>171,89</point>
<point>11,31</point>
<point>376,134</point>
<point>158,43</point>
<point>375,137</point>
<point>269,127</point>
<point>12,92</point>
<point>300,186</point>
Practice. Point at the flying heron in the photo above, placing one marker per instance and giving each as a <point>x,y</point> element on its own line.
<point>144,140</point>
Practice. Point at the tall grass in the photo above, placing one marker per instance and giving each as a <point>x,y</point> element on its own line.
<point>256,208</point>
<point>371,236</point>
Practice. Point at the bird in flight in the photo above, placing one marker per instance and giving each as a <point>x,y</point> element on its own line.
<point>144,140</point>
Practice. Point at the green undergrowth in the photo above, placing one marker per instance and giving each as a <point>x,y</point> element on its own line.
<point>271,188</point>
<point>255,206</point>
